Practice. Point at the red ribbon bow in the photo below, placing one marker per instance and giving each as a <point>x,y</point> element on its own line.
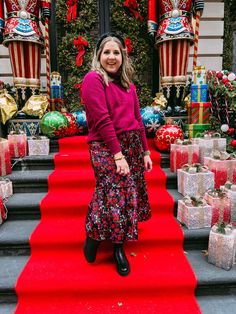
<point>72,10</point>
<point>80,43</point>
<point>132,5</point>
<point>129,45</point>
<point>78,86</point>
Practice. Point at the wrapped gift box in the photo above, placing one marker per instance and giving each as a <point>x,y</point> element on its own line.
<point>224,169</point>
<point>209,143</point>
<point>17,145</point>
<point>194,215</point>
<point>221,247</point>
<point>230,189</point>
<point>196,130</point>
<point>199,75</point>
<point>183,152</point>
<point>3,211</point>
<point>194,181</point>
<point>38,145</point>
<point>5,160</point>
<point>221,205</point>
<point>200,112</point>
<point>199,93</point>
<point>30,127</point>
<point>6,189</point>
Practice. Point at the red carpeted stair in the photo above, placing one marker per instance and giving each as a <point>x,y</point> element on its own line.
<point>58,280</point>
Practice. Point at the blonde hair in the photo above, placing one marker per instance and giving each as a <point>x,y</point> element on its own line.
<point>127,70</point>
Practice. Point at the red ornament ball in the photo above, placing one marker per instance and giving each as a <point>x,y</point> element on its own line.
<point>72,124</point>
<point>166,135</point>
<point>233,143</point>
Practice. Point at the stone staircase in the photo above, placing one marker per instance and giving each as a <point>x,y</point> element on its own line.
<point>216,290</point>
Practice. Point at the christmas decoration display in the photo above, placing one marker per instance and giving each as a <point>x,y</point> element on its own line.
<point>80,117</point>
<point>223,165</point>
<point>8,107</point>
<point>183,152</point>
<point>194,212</point>
<point>220,204</point>
<point>38,145</point>
<point>54,124</point>
<point>152,118</point>
<point>17,144</point>
<point>199,75</point>
<point>194,180</point>
<point>30,127</point>
<point>132,6</point>
<point>72,128</point>
<point>3,211</point>
<point>199,93</point>
<point>36,106</point>
<point>199,112</point>
<point>195,130</point>
<point>24,39</point>
<point>6,189</point>
<point>166,135</point>
<point>172,30</point>
<point>222,92</point>
<point>221,247</point>
<point>5,159</point>
<point>56,88</point>
<point>72,10</point>
<point>208,142</point>
<point>80,45</point>
<point>230,190</point>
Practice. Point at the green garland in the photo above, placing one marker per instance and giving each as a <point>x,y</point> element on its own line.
<point>86,25</point>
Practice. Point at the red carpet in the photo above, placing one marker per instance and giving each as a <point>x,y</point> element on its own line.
<point>58,280</point>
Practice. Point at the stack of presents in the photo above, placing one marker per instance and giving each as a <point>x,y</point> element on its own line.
<point>12,149</point>
<point>206,177</point>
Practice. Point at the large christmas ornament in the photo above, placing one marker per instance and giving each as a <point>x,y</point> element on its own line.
<point>72,128</point>
<point>166,135</point>
<point>54,124</point>
<point>80,117</point>
<point>152,118</point>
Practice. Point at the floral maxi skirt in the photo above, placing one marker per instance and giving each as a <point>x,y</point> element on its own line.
<point>119,202</point>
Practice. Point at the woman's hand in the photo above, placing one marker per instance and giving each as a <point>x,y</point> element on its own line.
<point>147,163</point>
<point>122,166</point>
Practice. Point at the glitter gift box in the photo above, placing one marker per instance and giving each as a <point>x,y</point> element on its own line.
<point>6,189</point>
<point>3,211</point>
<point>221,247</point>
<point>193,213</point>
<point>199,75</point>
<point>199,93</point>
<point>224,169</point>
<point>5,160</point>
<point>17,144</point>
<point>194,180</point>
<point>230,190</point>
<point>38,145</point>
<point>196,130</point>
<point>221,205</point>
<point>199,112</point>
<point>208,143</point>
<point>183,152</point>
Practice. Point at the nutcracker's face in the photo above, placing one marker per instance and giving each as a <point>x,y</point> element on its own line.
<point>111,57</point>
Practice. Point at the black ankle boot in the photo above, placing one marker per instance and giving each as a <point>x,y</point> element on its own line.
<point>122,264</point>
<point>90,249</point>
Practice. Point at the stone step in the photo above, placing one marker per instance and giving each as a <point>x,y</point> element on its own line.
<point>30,181</point>
<point>34,162</point>
<point>219,304</point>
<point>7,308</point>
<point>24,205</point>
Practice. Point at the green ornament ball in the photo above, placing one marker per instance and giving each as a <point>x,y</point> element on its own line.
<point>54,124</point>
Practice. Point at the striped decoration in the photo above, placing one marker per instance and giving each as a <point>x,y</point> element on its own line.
<point>47,48</point>
<point>200,112</point>
<point>195,49</point>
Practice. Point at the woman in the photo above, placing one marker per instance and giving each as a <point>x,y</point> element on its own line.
<point>118,150</point>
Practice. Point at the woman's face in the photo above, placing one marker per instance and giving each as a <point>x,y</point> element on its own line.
<point>111,57</point>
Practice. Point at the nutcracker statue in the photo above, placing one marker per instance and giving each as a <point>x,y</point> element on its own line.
<point>170,26</point>
<point>21,33</point>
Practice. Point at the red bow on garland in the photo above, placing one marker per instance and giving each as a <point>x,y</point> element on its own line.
<point>80,43</point>
<point>132,5</point>
<point>129,45</point>
<point>72,10</point>
<point>78,86</point>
